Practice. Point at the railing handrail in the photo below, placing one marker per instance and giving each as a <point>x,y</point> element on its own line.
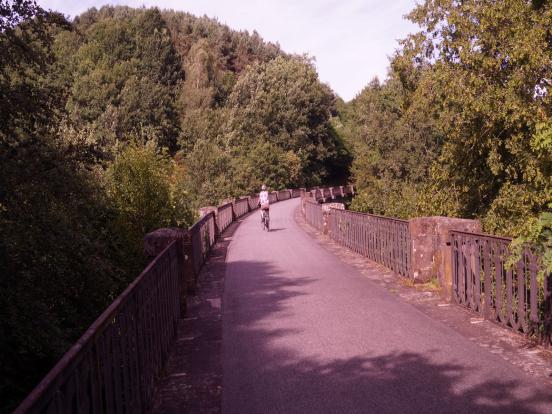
<point>65,366</point>
<point>359,213</point>
<point>482,235</point>
<point>201,220</point>
<point>225,206</point>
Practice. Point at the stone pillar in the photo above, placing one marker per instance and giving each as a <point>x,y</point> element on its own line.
<point>430,248</point>
<point>203,211</point>
<point>156,241</point>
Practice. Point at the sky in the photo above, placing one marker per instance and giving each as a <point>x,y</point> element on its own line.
<point>351,40</point>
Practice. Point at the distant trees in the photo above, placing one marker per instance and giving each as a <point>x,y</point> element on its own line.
<point>460,127</point>
<point>282,107</point>
<point>125,77</point>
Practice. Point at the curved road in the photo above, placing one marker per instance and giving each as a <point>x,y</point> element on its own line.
<point>304,333</point>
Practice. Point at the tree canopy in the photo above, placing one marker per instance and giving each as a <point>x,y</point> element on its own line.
<point>468,97</point>
<point>117,123</point>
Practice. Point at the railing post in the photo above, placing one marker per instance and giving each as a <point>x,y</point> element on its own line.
<point>234,214</point>
<point>190,277</point>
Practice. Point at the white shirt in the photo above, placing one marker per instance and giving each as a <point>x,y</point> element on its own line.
<point>263,197</point>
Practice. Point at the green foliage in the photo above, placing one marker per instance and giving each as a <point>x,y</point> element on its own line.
<point>275,128</point>
<point>54,257</point>
<point>492,81</point>
<point>537,232</point>
<point>283,103</point>
<point>461,126</point>
<point>146,192</point>
<point>207,167</point>
<point>395,143</point>
<point>126,71</point>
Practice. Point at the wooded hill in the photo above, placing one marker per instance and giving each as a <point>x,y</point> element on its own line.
<point>119,122</point>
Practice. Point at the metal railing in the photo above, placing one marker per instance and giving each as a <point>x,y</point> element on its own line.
<point>113,367</point>
<point>241,207</point>
<point>330,193</point>
<point>253,202</point>
<point>284,195</point>
<point>384,240</point>
<point>313,213</point>
<point>225,216</point>
<point>202,235</point>
<point>515,297</point>
<point>295,193</point>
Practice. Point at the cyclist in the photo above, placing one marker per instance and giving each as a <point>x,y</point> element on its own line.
<point>264,201</point>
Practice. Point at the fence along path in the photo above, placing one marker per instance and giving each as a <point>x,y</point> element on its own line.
<point>114,366</point>
<point>384,240</point>
<point>518,298</point>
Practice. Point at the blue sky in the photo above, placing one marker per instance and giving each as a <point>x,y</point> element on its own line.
<point>351,40</point>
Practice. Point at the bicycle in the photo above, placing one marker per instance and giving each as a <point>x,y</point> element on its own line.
<point>265,220</point>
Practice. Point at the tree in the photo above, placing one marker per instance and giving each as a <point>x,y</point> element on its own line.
<point>54,259</point>
<point>395,141</point>
<point>491,65</point>
<point>282,102</point>
<point>126,77</point>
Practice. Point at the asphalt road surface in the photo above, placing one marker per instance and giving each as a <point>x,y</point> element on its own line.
<point>304,333</point>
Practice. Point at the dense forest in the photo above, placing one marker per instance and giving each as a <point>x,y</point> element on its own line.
<point>120,122</point>
<point>462,126</point>
<point>125,120</point>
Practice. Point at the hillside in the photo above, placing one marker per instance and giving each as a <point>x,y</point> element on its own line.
<point>119,122</point>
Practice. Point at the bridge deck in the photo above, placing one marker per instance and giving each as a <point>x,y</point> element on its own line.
<point>304,333</point>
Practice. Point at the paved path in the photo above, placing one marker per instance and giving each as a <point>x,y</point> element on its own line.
<point>304,333</point>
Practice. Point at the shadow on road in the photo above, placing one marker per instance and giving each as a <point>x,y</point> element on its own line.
<point>277,229</point>
<point>268,370</point>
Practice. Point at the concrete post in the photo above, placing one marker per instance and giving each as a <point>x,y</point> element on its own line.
<point>203,211</point>
<point>431,251</point>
